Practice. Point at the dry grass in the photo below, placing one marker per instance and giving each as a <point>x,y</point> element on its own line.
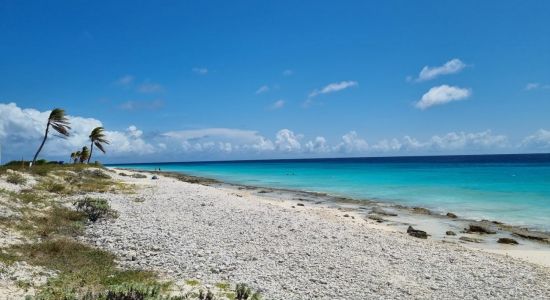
<point>82,269</point>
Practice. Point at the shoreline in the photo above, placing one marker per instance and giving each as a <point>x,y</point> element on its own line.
<point>215,234</point>
<point>534,246</point>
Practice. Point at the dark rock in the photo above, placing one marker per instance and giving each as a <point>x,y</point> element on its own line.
<point>417,233</point>
<point>507,241</point>
<point>346,216</point>
<point>300,204</point>
<point>451,215</point>
<point>450,232</point>
<point>376,218</point>
<point>480,228</point>
<point>470,239</point>
<point>383,212</point>
<point>421,210</point>
<point>154,177</point>
<point>532,235</point>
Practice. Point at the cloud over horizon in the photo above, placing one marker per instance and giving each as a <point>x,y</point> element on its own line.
<point>20,128</point>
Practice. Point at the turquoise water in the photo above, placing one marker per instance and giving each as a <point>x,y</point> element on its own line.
<point>514,190</point>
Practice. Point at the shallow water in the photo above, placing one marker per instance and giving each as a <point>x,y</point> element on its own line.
<point>511,188</point>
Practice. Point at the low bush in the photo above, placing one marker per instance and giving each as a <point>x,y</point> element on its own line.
<point>94,208</point>
<point>243,292</point>
<point>84,270</point>
<point>16,178</point>
<point>96,173</point>
<point>52,186</point>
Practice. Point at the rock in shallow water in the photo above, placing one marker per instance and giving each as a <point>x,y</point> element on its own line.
<point>480,228</point>
<point>450,232</point>
<point>470,239</point>
<point>380,211</point>
<point>451,215</point>
<point>417,233</point>
<point>508,241</point>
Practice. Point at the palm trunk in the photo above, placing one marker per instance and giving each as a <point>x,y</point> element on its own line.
<point>41,145</point>
<point>91,151</point>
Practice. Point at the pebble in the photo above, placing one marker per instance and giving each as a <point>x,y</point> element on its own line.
<point>305,254</point>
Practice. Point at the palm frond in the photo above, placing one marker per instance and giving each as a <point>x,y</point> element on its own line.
<point>100,147</point>
<point>59,121</point>
<point>98,138</point>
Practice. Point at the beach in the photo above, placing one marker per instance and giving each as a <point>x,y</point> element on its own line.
<point>292,249</point>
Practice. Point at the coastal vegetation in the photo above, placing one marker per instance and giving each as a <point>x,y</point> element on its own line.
<point>97,138</point>
<point>51,225</point>
<point>48,214</point>
<point>59,122</point>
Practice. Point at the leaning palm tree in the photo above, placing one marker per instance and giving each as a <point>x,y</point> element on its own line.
<point>84,154</point>
<point>76,157</point>
<point>73,156</point>
<point>59,122</point>
<point>97,138</point>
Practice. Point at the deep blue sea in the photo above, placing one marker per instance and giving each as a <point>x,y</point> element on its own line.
<point>511,188</point>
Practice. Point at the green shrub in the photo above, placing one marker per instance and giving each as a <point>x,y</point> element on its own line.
<point>243,292</point>
<point>83,270</point>
<point>52,186</point>
<point>16,178</point>
<point>94,208</point>
<point>96,173</point>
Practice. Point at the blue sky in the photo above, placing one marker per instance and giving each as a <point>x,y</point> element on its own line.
<point>187,80</point>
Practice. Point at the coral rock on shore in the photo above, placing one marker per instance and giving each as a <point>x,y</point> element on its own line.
<point>417,233</point>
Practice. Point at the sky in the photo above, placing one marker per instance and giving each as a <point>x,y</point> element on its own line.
<point>223,80</point>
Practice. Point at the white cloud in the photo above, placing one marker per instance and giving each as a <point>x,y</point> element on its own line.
<point>461,140</point>
<point>125,80</point>
<point>535,85</point>
<point>539,140</point>
<point>277,104</point>
<point>333,87</point>
<point>287,141</point>
<point>531,86</point>
<point>452,66</point>
<point>200,71</point>
<point>288,72</point>
<point>244,136</point>
<point>262,89</point>
<point>441,95</point>
<point>319,145</point>
<point>352,143</point>
<point>149,87</point>
<point>21,131</point>
<point>386,145</point>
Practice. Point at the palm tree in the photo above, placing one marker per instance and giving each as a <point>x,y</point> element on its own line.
<point>59,122</point>
<point>73,156</point>
<point>97,138</point>
<point>76,156</point>
<point>84,154</point>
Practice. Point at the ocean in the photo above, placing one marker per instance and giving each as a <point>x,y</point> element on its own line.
<point>514,189</point>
